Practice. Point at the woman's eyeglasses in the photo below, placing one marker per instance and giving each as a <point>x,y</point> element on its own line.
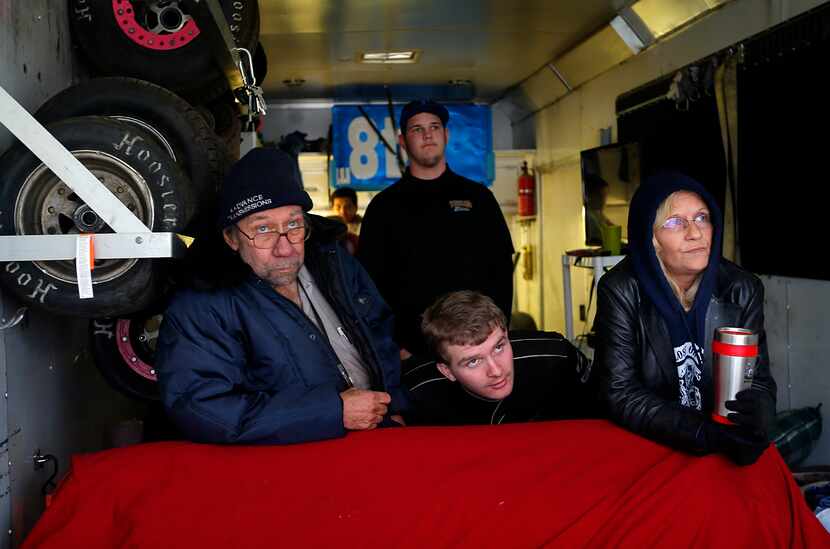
<point>677,223</point>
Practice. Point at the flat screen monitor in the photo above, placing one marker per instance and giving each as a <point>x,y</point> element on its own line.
<point>610,175</point>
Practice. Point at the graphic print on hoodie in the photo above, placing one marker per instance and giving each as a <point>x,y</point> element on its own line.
<point>689,370</point>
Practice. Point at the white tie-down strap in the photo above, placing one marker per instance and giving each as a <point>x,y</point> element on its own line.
<point>68,168</point>
<point>83,265</point>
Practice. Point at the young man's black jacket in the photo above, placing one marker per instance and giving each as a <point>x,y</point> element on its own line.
<point>552,380</point>
<point>634,358</point>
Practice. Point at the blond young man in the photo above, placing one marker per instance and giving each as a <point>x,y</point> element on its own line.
<point>483,374</point>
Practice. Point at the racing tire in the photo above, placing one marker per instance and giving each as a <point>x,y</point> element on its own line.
<point>179,128</point>
<point>260,63</point>
<point>159,42</point>
<point>34,201</point>
<point>228,125</point>
<point>124,349</point>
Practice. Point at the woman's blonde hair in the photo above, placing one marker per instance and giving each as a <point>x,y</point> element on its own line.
<point>662,214</point>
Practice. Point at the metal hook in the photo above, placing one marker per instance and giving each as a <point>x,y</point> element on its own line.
<point>40,461</point>
<point>15,320</point>
<point>247,75</point>
<point>252,92</point>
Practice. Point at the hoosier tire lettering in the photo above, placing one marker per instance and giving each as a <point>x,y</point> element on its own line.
<point>136,170</point>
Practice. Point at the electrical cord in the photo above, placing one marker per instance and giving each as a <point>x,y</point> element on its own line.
<point>391,110</point>
<point>375,129</point>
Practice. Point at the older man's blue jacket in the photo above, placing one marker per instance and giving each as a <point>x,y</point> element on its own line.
<point>242,364</point>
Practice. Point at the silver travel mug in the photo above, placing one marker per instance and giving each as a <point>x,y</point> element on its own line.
<point>734,353</point>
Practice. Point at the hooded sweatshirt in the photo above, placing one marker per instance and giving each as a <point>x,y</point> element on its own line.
<point>686,328</point>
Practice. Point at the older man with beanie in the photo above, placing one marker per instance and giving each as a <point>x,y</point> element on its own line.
<point>433,231</point>
<point>301,349</point>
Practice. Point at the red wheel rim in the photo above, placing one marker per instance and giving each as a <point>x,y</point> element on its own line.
<point>161,37</point>
<point>128,352</point>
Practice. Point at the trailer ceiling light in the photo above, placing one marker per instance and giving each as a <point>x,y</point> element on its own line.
<point>624,30</point>
<point>406,56</point>
<point>662,17</point>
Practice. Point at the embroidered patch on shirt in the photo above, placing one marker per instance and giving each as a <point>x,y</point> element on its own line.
<point>461,205</point>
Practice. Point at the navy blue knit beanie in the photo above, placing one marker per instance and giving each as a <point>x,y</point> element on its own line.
<point>263,179</point>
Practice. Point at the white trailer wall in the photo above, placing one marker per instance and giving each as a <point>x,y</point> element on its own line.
<point>798,339</point>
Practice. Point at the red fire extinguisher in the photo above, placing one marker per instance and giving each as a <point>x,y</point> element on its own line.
<point>527,192</point>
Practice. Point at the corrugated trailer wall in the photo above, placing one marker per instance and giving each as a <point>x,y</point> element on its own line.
<point>53,398</point>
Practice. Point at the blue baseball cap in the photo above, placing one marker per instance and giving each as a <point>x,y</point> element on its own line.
<point>423,105</point>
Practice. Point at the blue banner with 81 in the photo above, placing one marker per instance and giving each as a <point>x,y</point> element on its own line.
<point>362,162</point>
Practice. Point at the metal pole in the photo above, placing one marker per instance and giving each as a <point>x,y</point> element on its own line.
<point>569,308</point>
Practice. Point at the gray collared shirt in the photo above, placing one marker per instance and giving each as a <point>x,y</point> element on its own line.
<point>317,308</point>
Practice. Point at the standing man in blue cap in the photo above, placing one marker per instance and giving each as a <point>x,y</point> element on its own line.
<point>433,231</point>
<point>299,350</point>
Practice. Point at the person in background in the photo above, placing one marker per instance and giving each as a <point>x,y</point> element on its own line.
<point>344,204</point>
<point>300,348</point>
<point>433,231</point>
<point>481,374</point>
<point>657,311</point>
<point>596,195</point>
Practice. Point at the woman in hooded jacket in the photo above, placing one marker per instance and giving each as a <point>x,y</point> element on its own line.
<point>657,312</point>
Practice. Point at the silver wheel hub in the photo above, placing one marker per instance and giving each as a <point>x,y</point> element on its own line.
<point>45,205</point>
<point>87,221</point>
<point>165,17</point>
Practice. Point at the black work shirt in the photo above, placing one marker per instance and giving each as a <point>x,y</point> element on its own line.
<point>423,238</point>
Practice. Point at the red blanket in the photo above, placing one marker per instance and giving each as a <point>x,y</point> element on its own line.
<point>561,484</point>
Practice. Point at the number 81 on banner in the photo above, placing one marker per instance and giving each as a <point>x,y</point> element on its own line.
<point>363,160</point>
